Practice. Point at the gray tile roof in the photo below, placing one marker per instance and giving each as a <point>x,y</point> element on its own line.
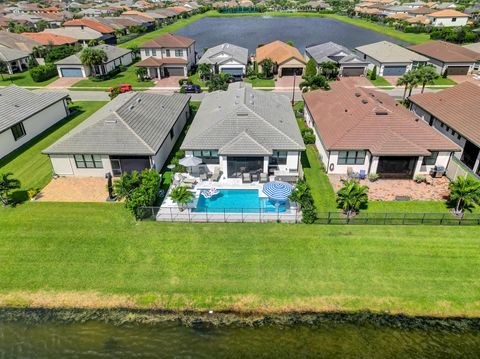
<point>244,121</point>
<point>76,33</point>
<point>134,123</point>
<point>7,54</point>
<point>388,52</point>
<point>224,52</point>
<point>17,104</point>
<point>113,52</point>
<point>330,51</point>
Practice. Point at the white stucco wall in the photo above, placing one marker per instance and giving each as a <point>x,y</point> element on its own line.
<point>448,21</point>
<point>188,54</point>
<point>34,126</point>
<point>64,165</point>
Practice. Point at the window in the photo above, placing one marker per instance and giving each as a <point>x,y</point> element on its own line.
<point>459,137</point>
<point>430,160</point>
<point>147,52</point>
<point>351,157</point>
<point>209,157</point>
<point>154,52</point>
<point>172,133</point>
<point>442,125</point>
<point>278,158</point>
<point>18,131</point>
<point>88,161</point>
<point>178,53</point>
<point>167,53</point>
<point>454,19</point>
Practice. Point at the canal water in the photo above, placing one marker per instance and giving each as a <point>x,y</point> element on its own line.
<point>251,31</point>
<point>171,340</point>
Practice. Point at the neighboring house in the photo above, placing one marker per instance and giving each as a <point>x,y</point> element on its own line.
<point>227,58</point>
<point>168,55</point>
<point>243,130</point>
<point>454,112</point>
<point>108,33</point>
<point>83,36</point>
<point>15,60</point>
<point>47,39</point>
<point>287,59</point>
<point>349,63</point>
<point>420,11</point>
<point>391,59</point>
<point>359,129</point>
<point>72,66</point>
<point>476,48</point>
<point>473,11</point>
<point>26,114</point>
<point>134,131</point>
<point>448,17</point>
<point>448,58</point>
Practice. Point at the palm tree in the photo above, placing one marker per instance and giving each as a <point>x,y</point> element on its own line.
<point>141,72</point>
<point>314,83</point>
<point>182,196</point>
<point>406,80</point>
<point>329,69</point>
<point>204,71</point>
<point>465,192</point>
<point>127,182</point>
<point>352,196</point>
<point>426,75</point>
<point>267,67</point>
<point>6,185</point>
<point>93,57</point>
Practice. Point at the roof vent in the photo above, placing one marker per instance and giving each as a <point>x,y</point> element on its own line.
<point>364,101</point>
<point>358,94</point>
<point>346,110</point>
<point>243,114</point>
<point>138,100</point>
<point>381,112</point>
<point>111,121</point>
<point>131,107</point>
<point>17,106</point>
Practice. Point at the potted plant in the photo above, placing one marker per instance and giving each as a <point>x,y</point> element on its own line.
<point>182,196</point>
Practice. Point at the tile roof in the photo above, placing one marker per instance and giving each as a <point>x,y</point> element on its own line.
<point>17,41</point>
<point>279,52</point>
<point>46,38</point>
<point>457,107</point>
<point>77,33</point>
<point>155,61</point>
<point>446,52</point>
<point>244,121</point>
<point>17,104</point>
<point>349,118</point>
<point>330,51</point>
<point>134,123</point>
<point>112,52</point>
<point>388,52</point>
<point>473,47</point>
<point>7,54</point>
<point>224,52</point>
<point>447,13</point>
<point>168,40</point>
<point>90,23</point>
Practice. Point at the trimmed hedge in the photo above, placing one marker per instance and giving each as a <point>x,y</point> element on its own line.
<point>43,72</point>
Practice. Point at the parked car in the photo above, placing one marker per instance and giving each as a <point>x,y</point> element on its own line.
<point>191,88</point>
<point>123,88</point>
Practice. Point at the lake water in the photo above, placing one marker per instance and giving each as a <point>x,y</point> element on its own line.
<point>253,30</point>
<point>330,340</point>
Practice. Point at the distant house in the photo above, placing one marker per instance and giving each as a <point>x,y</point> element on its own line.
<point>227,58</point>
<point>476,48</point>
<point>454,112</point>
<point>108,33</point>
<point>448,17</point>
<point>48,39</point>
<point>287,59</point>
<point>448,58</point>
<point>168,55</point>
<point>132,132</point>
<point>359,129</point>
<point>72,66</point>
<point>391,59</point>
<point>243,130</point>
<point>84,36</point>
<point>26,114</point>
<point>349,63</point>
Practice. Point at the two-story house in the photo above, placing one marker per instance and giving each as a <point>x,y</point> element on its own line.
<point>168,55</point>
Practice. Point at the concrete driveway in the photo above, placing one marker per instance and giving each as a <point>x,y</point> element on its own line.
<point>169,82</point>
<point>286,83</point>
<point>64,82</point>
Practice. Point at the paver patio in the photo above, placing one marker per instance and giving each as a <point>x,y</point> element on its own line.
<point>389,189</point>
<point>285,83</point>
<point>75,189</point>
<point>169,82</point>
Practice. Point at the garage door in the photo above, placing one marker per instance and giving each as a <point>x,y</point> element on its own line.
<point>234,71</point>
<point>353,71</point>
<point>173,71</point>
<point>457,70</point>
<point>292,71</point>
<point>71,72</point>
<point>394,70</point>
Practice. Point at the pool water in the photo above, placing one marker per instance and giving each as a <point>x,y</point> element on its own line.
<point>236,200</point>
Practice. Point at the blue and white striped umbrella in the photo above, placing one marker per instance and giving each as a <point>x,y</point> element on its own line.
<point>278,191</point>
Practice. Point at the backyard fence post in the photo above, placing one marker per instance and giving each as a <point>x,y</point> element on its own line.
<point>385,218</point>
<point>278,213</point>
<point>206,214</point>
<point>423,218</point>
<point>441,219</point>
<point>366,218</point>
<point>260,215</point>
<point>224,216</point>
<point>242,214</point>
<point>171,215</point>
<point>328,218</point>
<point>189,219</point>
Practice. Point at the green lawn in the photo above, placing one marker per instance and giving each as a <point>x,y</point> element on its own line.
<point>261,82</point>
<point>96,255</point>
<point>444,82</point>
<point>195,78</point>
<point>127,77</point>
<point>32,167</point>
<point>23,79</point>
<point>380,82</point>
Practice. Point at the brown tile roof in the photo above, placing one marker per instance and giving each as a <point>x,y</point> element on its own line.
<point>92,24</point>
<point>448,13</point>
<point>139,14</point>
<point>157,62</point>
<point>168,40</point>
<point>457,107</point>
<point>46,38</point>
<point>419,20</point>
<point>399,15</point>
<point>348,118</point>
<point>446,52</point>
<point>279,52</point>
<point>421,10</point>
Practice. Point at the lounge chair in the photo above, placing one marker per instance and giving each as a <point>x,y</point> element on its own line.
<point>216,174</point>
<point>263,178</point>
<point>190,180</point>
<point>203,177</point>
<point>246,178</point>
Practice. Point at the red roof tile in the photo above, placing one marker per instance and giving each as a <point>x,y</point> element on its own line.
<point>46,38</point>
<point>446,52</point>
<point>157,62</point>
<point>168,40</point>
<point>92,24</point>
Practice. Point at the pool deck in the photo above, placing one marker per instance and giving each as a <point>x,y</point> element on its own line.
<point>170,212</point>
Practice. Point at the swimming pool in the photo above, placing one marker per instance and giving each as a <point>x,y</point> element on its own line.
<point>237,200</point>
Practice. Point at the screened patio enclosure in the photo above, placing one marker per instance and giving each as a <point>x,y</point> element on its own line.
<point>238,165</point>
<point>396,167</point>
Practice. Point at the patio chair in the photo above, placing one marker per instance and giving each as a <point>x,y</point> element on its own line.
<point>254,176</point>
<point>190,180</point>
<point>246,178</point>
<point>216,174</point>
<point>362,174</point>
<point>263,178</point>
<point>203,177</point>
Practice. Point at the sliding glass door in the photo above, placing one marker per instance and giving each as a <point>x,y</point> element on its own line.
<point>238,165</point>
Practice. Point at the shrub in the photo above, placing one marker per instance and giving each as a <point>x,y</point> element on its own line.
<point>420,178</point>
<point>43,72</point>
<point>311,68</point>
<point>301,195</point>
<point>59,52</point>
<point>372,177</point>
<point>373,74</point>
<point>308,136</point>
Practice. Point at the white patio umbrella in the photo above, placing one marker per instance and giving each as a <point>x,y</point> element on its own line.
<point>190,162</point>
